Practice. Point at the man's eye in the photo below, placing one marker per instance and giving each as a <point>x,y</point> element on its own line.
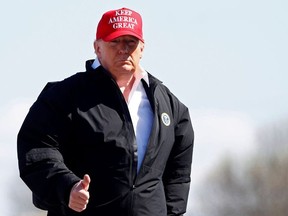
<point>114,42</point>
<point>132,43</point>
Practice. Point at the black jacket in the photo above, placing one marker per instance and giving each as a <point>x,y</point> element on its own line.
<point>81,125</point>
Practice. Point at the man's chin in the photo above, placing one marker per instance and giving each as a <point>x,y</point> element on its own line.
<point>128,68</point>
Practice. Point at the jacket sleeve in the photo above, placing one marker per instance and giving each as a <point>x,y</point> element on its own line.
<point>40,159</point>
<point>178,169</point>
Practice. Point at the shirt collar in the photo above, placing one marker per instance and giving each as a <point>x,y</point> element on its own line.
<point>95,64</point>
<point>144,75</point>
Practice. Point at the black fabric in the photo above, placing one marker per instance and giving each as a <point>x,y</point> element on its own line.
<point>81,125</point>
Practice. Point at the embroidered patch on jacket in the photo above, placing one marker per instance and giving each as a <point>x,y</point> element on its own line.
<point>165,119</point>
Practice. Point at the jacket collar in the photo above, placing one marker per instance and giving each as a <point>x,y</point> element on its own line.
<point>93,64</point>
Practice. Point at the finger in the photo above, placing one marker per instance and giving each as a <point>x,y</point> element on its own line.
<point>80,196</point>
<point>86,182</point>
<point>84,195</point>
<point>80,200</point>
<point>77,206</point>
<point>79,203</point>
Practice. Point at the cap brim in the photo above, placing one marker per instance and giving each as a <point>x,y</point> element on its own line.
<point>117,34</point>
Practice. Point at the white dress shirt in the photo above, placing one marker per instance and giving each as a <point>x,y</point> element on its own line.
<point>140,111</point>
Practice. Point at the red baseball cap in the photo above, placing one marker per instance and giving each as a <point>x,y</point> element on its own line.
<point>116,23</point>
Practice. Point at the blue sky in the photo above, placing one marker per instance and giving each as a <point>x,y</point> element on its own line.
<point>226,60</point>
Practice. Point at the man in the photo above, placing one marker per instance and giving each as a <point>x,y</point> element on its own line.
<point>109,141</point>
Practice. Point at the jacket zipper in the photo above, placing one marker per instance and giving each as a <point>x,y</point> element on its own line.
<point>133,147</point>
<point>126,115</point>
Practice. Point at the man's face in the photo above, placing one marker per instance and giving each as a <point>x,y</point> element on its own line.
<point>120,55</point>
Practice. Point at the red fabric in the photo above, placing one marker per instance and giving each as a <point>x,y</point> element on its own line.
<point>116,23</point>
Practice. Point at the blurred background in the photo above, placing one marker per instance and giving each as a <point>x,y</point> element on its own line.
<point>226,60</point>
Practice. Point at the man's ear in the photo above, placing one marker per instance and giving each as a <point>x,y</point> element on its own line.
<point>142,46</point>
<point>96,47</point>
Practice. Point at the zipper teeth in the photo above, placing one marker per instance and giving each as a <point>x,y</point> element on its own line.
<point>128,121</point>
<point>154,106</point>
<point>131,212</point>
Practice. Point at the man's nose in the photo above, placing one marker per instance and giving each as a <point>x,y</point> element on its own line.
<point>124,48</point>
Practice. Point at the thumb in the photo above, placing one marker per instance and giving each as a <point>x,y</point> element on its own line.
<point>86,182</point>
